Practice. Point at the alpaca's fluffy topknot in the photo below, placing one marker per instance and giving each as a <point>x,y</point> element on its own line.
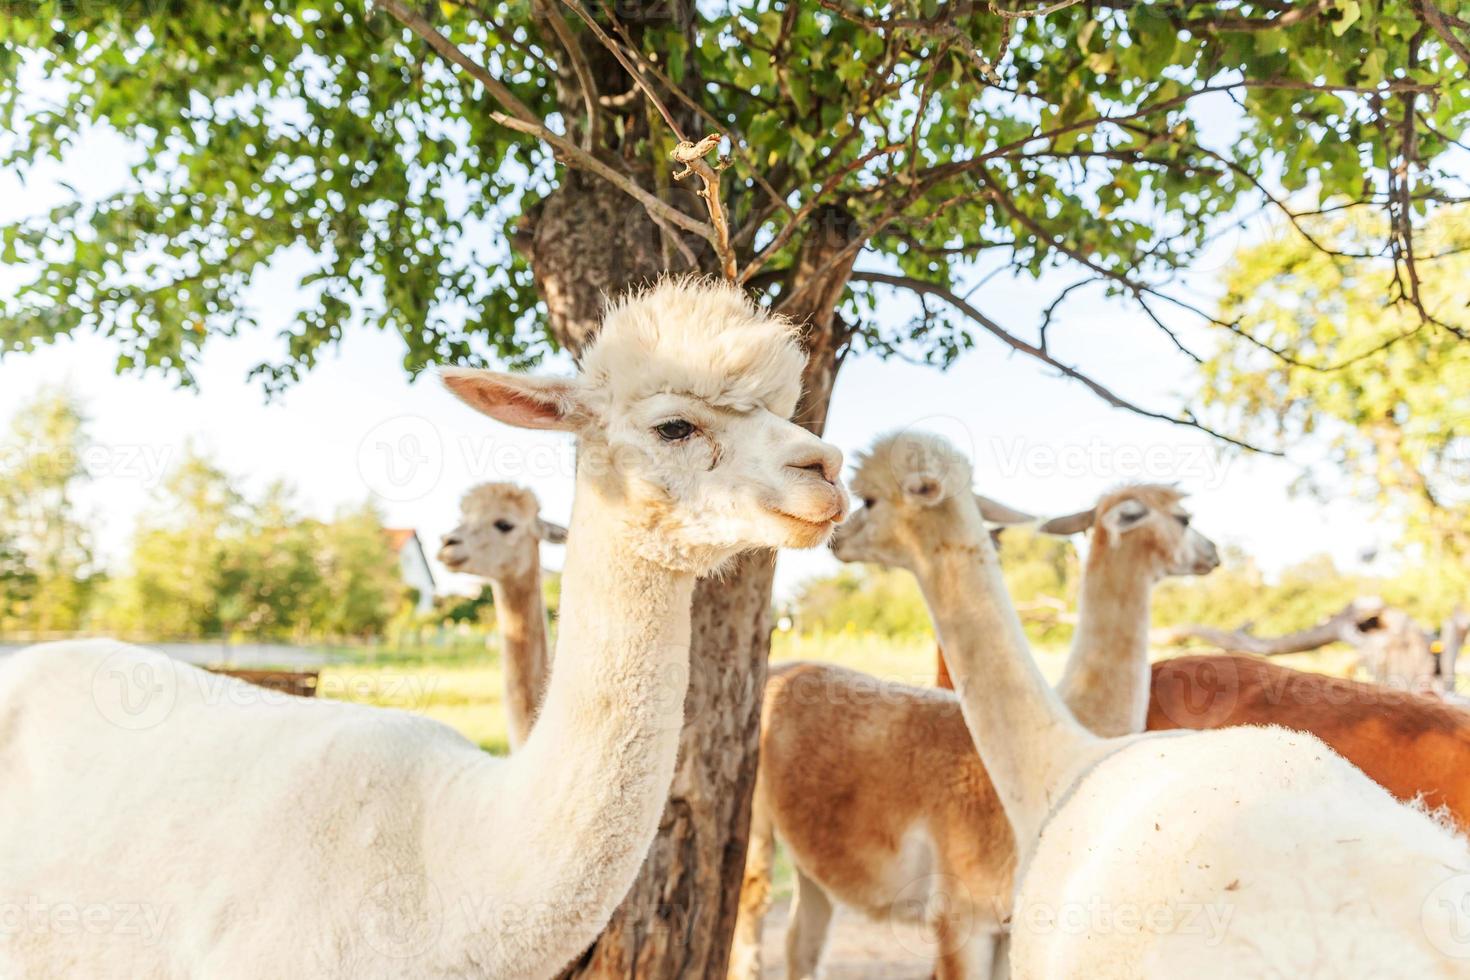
<point>701,337</point>
<point>496,497</point>
<point>881,470</point>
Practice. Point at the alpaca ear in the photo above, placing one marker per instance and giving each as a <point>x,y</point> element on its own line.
<point>517,399</point>
<point>550,533</point>
<point>996,512</point>
<point>1070,524</point>
<point>925,488</point>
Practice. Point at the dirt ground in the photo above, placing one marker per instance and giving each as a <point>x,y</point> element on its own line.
<point>858,948</point>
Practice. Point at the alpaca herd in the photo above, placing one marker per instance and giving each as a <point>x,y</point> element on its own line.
<point>1062,833</point>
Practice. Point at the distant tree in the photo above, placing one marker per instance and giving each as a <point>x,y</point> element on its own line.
<point>273,576</point>
<point>1332,363</point>
<point>360,587</point>
<point>42,470</point>
<point>180,561</point>
<point>17,584</point>
<point>865,599</point>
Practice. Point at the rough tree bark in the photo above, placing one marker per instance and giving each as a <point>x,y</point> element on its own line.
<point>587,241</point>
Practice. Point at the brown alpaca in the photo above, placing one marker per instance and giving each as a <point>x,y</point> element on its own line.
<point>1414,746</point>
<point>877,790</point>
<point>499,538</point>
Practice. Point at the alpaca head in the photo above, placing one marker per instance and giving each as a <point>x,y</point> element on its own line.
<point>499,533</point>
<point>1147,527</point>
<point>917,501</point>
<point>681,411</point>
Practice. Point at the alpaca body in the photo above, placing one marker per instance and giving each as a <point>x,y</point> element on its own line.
<point>1414,746</point>
<point>1248,852</point>
<point>886,809</point>
<point>393,891</point>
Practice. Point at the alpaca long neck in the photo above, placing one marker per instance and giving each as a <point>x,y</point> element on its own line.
<point>520,615</point>
<point>1106,683</point>
<point>586,790</point>
<point>1031,746</point>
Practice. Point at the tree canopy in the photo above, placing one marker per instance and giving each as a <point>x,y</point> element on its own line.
<point>1075,136</point>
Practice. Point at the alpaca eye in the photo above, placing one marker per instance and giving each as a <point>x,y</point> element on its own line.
<point>1182,519</point>
<point>674,430</point>
<point>869,501</point>
<point>504,527</point>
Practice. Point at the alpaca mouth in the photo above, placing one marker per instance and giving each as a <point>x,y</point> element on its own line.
<point>452,562</point>
<point>806,524</point>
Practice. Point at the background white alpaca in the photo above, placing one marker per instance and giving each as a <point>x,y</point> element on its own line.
<point>322,839</point>
<point>499,538</point>
<point>928,836</point>
<point>1244,852</point>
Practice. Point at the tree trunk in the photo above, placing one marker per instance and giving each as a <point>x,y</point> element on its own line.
<point>584,242</point>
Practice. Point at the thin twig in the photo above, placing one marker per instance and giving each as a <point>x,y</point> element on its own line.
<point>1435,18</point>
<point>1050,8</point>
<point>580,68</point>
<point>1016,343</point>
<point>692,156</point>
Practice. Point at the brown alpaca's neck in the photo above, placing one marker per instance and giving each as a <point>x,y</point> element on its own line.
<point>520,617</point>
<point>1106,682</point>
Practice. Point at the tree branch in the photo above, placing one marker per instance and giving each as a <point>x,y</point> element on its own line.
<point>1016,343</point>
<point>522,120</point>
<point>692,156</point>
<point>1435,18</point>
<point>580,68</point>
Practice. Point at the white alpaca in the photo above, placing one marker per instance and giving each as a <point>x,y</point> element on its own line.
<point>320,839</point>
<point>929,838</point>
<point>499,538</point>
<point>1248,852</point>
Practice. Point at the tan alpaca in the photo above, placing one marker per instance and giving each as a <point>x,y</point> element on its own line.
<point>499,538</point>
<point>876,789</point>
<point>1244,852</point>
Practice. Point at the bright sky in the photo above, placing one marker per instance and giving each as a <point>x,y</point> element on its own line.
<point>356,427</point>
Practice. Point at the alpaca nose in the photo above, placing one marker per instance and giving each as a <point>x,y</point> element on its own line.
<point>822,460</point>
<point>450,540</point>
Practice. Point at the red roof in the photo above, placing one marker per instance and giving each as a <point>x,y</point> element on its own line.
<point>399,537</point>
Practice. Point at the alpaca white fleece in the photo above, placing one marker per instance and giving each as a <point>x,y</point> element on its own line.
<point>246,834</point>
<point>1247,852</point>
